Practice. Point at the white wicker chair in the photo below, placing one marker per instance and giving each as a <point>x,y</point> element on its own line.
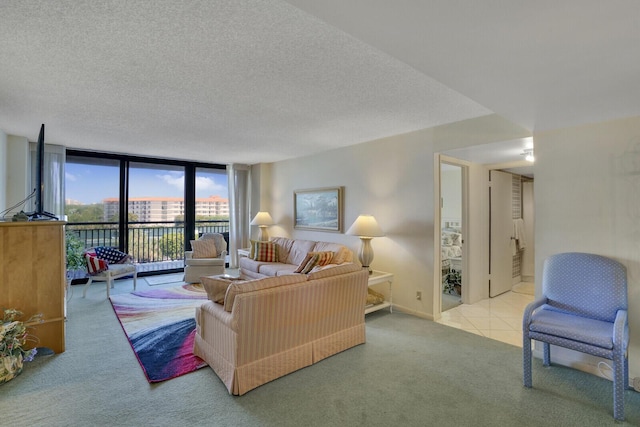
<point>195,268</point>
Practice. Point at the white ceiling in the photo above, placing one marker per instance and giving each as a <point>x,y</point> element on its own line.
<point>250,81</point>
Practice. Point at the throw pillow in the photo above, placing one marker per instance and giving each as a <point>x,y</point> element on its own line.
<point>112,255</point>
<point>313,261</point>
<point>266,252</point>
<point>204,248</point>
<point>216,288</point>
<point>304,262</point>
<point>95,265</point>
<point>252,249</point>
<point>323,258</point>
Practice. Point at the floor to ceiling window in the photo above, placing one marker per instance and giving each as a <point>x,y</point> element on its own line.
<point>150,208</point>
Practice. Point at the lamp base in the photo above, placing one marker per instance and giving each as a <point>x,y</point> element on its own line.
<point>264,235</point>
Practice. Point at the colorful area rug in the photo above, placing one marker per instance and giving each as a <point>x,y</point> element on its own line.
<point>160,325</point>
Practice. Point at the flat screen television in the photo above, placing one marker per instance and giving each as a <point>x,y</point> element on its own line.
<point>39,214</point>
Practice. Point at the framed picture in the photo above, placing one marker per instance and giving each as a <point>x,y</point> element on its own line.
<point>318,209</point>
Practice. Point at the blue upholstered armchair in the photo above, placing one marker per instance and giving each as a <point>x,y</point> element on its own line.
<point>583,308</point>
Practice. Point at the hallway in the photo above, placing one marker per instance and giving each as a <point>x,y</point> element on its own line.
<point>498,318</point>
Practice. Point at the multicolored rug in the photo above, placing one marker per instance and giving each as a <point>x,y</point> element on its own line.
<point>160,325</point>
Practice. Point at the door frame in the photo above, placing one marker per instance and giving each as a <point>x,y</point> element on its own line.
<point>437,226</point>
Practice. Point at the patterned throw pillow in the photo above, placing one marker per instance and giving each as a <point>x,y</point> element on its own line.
<point>95,265</point>
<point>112,255</point>
<point>322,258</point>
<point>313,261</point>
<point>266,252</point>
<point>204,248</point>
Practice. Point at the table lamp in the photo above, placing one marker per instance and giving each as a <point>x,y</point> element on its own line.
<point>262,220</point>
<point>365,227</point>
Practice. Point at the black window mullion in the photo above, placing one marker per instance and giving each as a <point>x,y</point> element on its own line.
<point>189,205</point>
<point>123,218</point>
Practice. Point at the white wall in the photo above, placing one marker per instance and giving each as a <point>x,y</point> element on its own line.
<point>3,170</point>
<point>528,215</point>
<point>15,169</point>
<point>393,179</point>
<point>587,199</point>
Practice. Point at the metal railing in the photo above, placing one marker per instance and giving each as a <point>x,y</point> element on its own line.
<point>149,242</point>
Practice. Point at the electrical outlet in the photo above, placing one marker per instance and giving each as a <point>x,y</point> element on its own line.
<point>419,296</point>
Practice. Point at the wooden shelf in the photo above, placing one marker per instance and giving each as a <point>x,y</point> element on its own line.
<point>32,273</point>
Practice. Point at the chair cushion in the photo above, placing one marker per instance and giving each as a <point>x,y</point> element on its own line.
<point>581,329</point>
<point>204,248</point>
<point>204,261</point>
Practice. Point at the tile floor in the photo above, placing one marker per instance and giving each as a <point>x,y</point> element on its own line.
<point>498,318</point>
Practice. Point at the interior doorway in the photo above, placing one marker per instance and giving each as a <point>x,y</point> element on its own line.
<point>511,238</point>
<point>452,233</point>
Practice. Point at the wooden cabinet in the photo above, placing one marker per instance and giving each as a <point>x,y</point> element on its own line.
<point>32,277</point>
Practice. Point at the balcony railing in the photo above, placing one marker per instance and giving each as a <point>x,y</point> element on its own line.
<point>158,243</point>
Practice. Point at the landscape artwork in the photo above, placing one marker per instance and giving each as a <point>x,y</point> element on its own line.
<point>318,209</point>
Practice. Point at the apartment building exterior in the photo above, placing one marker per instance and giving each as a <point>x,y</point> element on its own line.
<point>166,209</point>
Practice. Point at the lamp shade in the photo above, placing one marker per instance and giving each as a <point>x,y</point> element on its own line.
<point>365,226</point>
<point>262,218</point>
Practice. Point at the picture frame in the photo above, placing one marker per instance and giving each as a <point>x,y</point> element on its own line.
<point>318,209</point>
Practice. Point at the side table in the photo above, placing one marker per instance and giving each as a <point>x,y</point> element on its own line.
<point>375,278</point>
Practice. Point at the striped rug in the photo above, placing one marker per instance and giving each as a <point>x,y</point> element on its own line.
<point>160,326</point>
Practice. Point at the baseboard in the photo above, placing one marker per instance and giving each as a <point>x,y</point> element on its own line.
<point>412,312</point>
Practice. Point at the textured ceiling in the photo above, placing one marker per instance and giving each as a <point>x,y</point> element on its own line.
<point>222,81</point>
<point>253,81</point>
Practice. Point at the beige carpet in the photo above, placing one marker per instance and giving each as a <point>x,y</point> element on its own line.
<point>524,288</point>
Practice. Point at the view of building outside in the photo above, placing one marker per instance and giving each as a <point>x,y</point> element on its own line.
<point>155,206</point>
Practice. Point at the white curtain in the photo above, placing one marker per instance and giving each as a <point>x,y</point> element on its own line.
<point>52,178</point>
<point>239,178</point>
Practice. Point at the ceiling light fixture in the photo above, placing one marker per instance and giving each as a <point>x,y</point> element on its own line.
<point>528,154</point>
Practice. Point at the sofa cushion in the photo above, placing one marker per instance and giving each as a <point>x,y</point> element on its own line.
<point>293,251</point>
<point>320,272</point>
<point>204,248</point>
<point>240,287</point>
<point>266,252</point>
<point>276,269</point>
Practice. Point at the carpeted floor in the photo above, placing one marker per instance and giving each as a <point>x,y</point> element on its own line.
<point>410,372</point>
<point>160,326</point>
<point>164,279</point>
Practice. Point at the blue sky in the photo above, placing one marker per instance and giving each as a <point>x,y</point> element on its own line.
<point>92,183</point>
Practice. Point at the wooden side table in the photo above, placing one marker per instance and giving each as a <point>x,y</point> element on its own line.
<point>375,278</point>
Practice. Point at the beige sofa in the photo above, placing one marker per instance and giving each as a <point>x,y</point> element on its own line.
<point>291,252</point>
<point>261,329</point>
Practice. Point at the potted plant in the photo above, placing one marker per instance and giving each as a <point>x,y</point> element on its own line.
<point>75,256</point>
<point>13,337</point>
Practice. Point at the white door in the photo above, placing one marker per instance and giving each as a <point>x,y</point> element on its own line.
<point>501,230</point>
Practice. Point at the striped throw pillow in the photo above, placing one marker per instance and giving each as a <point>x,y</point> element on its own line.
<point>266,252</point>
